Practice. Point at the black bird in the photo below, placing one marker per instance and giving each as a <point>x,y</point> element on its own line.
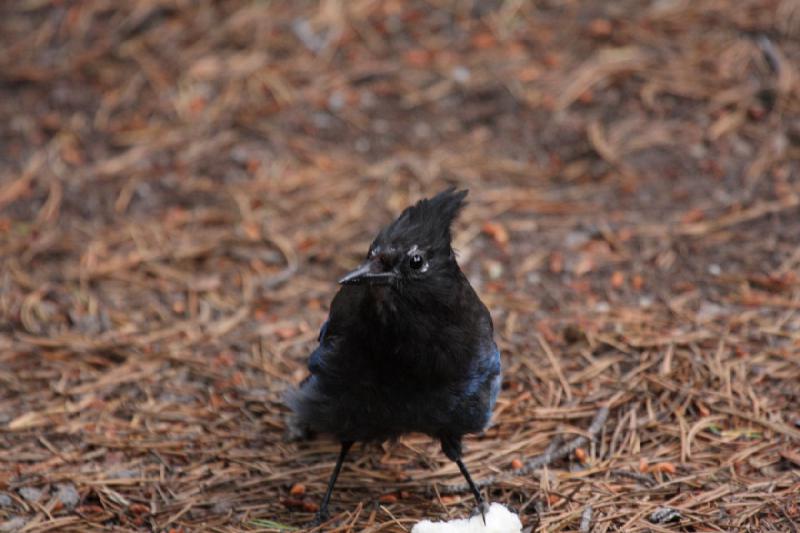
<point>408,345</point>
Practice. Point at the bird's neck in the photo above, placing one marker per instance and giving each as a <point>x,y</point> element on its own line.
<point>406,307</point>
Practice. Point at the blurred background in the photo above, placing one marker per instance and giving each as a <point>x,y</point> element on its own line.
<point>181,183</point>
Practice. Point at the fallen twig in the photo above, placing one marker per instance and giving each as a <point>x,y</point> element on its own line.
<point>551,454</point>
<point>586,519</point>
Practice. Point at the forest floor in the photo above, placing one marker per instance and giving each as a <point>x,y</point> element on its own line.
<point>181,184</point>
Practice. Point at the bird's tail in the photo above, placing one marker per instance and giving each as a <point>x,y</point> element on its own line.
<point>306,403</point>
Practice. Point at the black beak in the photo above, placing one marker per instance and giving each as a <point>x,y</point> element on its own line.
<point>369,273</point>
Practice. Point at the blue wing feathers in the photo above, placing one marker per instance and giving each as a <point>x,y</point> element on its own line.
<point>484,370</point>
<point>466,405</point>
<point>323,330</point>
<point>315,359</point>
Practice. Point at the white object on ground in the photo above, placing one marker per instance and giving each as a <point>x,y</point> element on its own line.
<point>498,520</point>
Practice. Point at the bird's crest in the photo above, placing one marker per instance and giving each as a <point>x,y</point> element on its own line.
<point>427,222</point>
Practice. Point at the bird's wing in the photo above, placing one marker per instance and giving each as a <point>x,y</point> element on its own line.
<point>490,361</point>
<point>340,319</point>
<point>484,369</point>
<point>315,360</point>
<point>492,380</point>
<point>494,360</point>
<point>489,355</point>
<point>323,330</point>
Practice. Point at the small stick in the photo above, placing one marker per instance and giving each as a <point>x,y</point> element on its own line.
<point>586,519</point>
<point>554,363</point>
<point>771,54</point>
<point>641,478</point>
<point>551,454</point>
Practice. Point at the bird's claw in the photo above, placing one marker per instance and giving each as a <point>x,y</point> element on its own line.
<point>482,508</point>
<point>320,518</point>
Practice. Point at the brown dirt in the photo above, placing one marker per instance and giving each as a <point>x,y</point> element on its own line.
<point>181,183</point>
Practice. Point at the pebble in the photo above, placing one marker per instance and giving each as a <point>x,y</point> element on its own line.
<point>30,494</point>
<point>461,74</point>
<point>124,474</point>
<point>67,495</point>
<point>14,524</point>
<point>664,515</point>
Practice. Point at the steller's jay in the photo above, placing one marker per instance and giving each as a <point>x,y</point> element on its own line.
<point>408,345</point>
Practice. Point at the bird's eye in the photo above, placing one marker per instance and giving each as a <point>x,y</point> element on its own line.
<point>416,261</point>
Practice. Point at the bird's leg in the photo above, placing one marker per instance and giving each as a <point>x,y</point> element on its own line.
<point>482,507</point>
<point>322,514</point>
<point>451,446</point>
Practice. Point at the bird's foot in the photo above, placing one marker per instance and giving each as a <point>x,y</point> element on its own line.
<point>320,518</point>
<point>482,508</point>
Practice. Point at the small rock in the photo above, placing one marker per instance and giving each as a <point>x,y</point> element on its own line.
<point>305,33</point>
<point>14,524</point>
<point>362,145</point>
<point>124,474</point>
<point>221,507</point>
<point>709,311</point>
<point>698,151</point>
<point>322,120</point>
<point>664,515</point>
<point>336,101</point>
<point>575,239</point>
<point>5,500</point>
<point>367,99</point>
<point>461,74</point>
<point>423,130</point>
<point>494,269</point>
<point>30,494</point>
<point>67,495</point>
<point>380,126</point>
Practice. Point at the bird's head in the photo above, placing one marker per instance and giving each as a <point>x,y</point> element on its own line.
<point>414,248</point>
